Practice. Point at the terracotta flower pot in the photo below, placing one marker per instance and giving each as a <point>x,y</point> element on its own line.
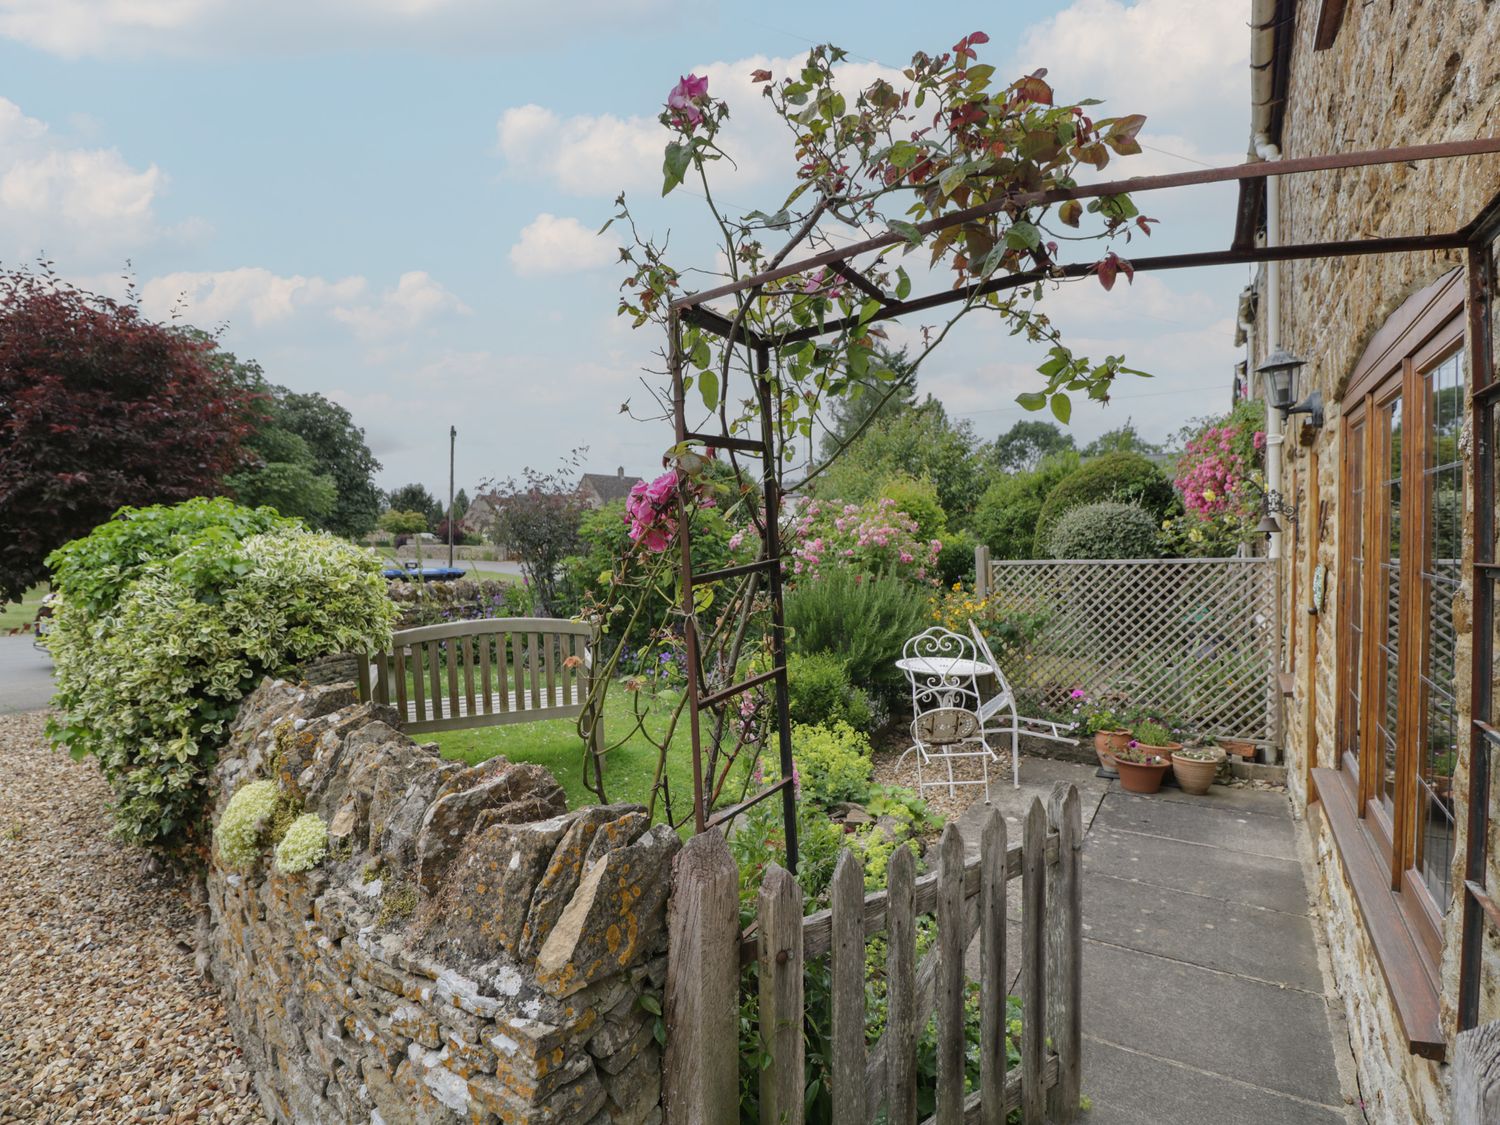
<point>1239,747</point>
<point>1106,742</point>
<point>1137,777</point>
<point>1193,775</point>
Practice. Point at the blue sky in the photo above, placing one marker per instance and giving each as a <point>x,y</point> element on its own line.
<point>393,202</point>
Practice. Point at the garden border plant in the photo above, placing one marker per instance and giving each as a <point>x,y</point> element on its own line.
<point>166,617</point>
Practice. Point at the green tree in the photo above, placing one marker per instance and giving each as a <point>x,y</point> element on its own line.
<point>338,451</point>
<point>1122,439</point>
<point>1022,447</point>
<point>871,395</point>
<point>416,498</point>
<point>1006,516</point>
<point>460,505</point>
<point>399,522</point>
<point>1122,477</point>
<point>307,457</point>
<point>917,442</point>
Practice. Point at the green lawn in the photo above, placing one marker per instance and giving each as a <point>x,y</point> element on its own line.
<point>15,614</point>
<point>628,770</point>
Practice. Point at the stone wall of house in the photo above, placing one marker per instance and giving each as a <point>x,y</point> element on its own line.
<point>1400,72</point>
<point>469,951</point>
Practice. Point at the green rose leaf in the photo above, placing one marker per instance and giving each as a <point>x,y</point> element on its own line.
<point>679,157</point>
<point>1023,236</point>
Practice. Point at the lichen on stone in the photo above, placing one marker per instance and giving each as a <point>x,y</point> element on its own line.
<point>304,845</point>
<point>242,827</point>
<point>287,810</point>
<point>397,903</point>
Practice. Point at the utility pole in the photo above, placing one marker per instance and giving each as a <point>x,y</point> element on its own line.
<point>452,439</point>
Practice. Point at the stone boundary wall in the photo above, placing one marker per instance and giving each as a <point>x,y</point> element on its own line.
<point>469,951</point>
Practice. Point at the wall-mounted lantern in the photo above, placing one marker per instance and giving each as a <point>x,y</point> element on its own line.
<point>1280,375</point>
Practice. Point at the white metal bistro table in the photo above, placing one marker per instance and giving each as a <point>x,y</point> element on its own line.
<point>945,667</point>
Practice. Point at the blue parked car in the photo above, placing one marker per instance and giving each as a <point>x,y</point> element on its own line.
<point>412,573</point>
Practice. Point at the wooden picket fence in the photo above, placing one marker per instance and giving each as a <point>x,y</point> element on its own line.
<point>967,897</point>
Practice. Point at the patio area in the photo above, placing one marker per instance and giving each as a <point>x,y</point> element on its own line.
<point>1206,992</point>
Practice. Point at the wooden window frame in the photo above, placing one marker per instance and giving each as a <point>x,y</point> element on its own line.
<point>1378,849</point>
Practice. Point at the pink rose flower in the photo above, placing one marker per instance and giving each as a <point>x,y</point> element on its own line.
<point>683,96</point>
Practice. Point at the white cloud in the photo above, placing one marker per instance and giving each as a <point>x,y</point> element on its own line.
<point>583,155</point>
<point>417,299</point>
<point>250,292</point>
<point>263,299</point>
<point>601,155</point>
<point>549,244</point>
<point>1183,63</point>
<point>66,200</point>
<point>74,28</point>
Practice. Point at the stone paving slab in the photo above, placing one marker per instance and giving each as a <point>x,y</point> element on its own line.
<point>1266,802</point>
<point>1232,875</point>
<point>1232,937</point>
<point>1143,1090</point>
<point>1272,1036</point>
<point>1200,823</point>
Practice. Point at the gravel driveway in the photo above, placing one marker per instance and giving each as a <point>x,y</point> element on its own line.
<point>103,1017</point>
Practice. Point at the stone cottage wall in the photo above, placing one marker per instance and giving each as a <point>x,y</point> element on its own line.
<point>1400,72</point>
<point>470,951</point>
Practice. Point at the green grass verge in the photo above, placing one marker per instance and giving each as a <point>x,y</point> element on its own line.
<point>628,771</point>
<point>13,615</point>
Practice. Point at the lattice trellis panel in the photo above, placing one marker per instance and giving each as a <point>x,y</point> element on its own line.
<point>1193,639</point>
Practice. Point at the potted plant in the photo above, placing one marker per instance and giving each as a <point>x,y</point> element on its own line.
<point>1108,726</point>
<point>1442,774</point>
<point>1141,768</point>
<point>1239,747</point>
<point>1195,768</point>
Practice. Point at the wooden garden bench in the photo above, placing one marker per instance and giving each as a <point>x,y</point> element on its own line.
<point>483,673</point>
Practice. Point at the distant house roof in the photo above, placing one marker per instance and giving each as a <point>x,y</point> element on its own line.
<point>602,488</point>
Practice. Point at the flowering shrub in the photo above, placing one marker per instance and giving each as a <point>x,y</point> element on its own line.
<point>244,821</point>
<point>304,845</point>
<point>1217,475</point>
<point>149,681</point>
<point>1003,626</point>
<point>872,538</point>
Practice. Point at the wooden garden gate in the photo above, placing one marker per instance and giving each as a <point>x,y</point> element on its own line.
<point>966,896</point>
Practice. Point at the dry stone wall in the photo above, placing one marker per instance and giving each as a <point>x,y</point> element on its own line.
<point>469,951</point>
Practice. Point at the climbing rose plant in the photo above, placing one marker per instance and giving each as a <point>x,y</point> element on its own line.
<point>942,173</point>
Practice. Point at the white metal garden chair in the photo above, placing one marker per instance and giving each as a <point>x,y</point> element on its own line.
<point>943,670</point>
<point>998,716</point>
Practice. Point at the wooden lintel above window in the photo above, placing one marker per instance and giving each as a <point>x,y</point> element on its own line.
<point>1330,19</point>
